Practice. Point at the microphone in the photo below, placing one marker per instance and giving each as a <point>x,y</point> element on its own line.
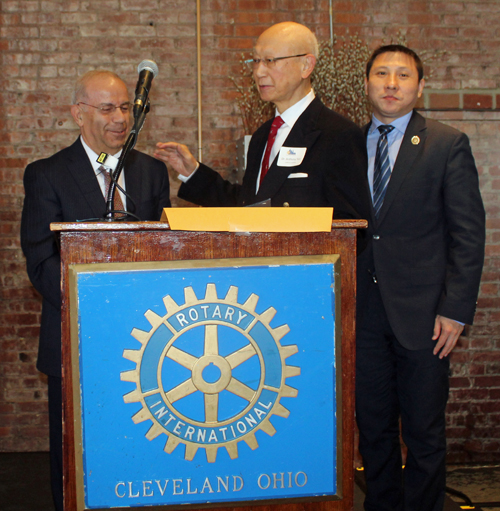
<point>147,70</point>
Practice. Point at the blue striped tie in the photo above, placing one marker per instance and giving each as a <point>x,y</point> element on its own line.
<point>382,168</point>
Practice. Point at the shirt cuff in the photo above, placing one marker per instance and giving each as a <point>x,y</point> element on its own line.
<point>185,179</point>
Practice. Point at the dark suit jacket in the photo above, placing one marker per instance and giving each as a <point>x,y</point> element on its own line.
<point>427,246</point>
<point>335,163</point>
<point>63,188</point>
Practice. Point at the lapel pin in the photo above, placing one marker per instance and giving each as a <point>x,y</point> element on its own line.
<point>415,140</point>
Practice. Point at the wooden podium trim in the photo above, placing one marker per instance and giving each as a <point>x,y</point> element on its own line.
<point>163,226</point>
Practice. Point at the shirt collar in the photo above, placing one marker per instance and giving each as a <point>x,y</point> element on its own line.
<point>400,124</point>
<point>93,156</point>
<point>290,115</point>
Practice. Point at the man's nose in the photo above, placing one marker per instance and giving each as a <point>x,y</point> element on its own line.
<point>119,116</point>
<point>392,81</point>
<point>260,69</point>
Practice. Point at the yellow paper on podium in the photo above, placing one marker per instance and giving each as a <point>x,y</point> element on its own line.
<point>249,219</point>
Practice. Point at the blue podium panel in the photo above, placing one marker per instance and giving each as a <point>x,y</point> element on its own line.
<point>205,381</point>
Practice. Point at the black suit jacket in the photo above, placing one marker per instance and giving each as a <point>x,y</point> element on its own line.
<point>335,164</point>
<point>427,246</point>
<point>64,188</point>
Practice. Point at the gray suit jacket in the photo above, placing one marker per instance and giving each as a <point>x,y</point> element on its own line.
<point>427,246</point>
<point>64,188</point>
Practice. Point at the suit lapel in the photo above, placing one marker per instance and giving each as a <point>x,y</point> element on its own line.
<point>81,170</point>
<point>255,152</point>
<point>303,134</point>
<point>405,159</point>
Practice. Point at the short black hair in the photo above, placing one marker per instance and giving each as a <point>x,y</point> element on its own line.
<point>395,48</point>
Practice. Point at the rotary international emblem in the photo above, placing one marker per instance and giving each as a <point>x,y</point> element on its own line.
<point>210,373</point>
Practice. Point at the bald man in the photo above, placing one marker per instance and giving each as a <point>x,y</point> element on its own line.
<point>306,156</point>
<point>70,186</point>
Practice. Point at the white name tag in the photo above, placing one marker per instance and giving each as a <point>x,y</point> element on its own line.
<point>298,175</point>
<point>291,156</point>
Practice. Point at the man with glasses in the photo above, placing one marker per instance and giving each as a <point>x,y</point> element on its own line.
<point>71,185</point>
<point>306,156</point>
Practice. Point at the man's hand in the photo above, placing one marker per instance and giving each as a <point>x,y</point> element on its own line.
<point>446,331</point>
<point>177,156</point>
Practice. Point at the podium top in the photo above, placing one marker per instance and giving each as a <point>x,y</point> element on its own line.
<point>163,226</point>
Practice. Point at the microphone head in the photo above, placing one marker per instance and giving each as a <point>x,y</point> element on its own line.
<point>148,65</point>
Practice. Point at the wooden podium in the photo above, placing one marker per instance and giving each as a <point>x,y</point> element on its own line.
<point>88,243</point>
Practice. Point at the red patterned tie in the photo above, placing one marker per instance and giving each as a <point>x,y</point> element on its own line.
<point>275,126</point>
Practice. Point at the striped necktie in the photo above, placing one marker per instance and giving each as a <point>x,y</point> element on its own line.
<point>118,204</point>
<point>382,168</point>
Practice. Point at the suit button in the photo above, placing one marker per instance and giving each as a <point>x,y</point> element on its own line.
<point>376,236</point>
<point>286,205</point>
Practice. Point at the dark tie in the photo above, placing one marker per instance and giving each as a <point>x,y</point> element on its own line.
<point>275,126</point>
<point>118,204</point>
<point>382,168</point>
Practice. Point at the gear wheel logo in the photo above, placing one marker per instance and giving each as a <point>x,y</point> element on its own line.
<point>210,373</point>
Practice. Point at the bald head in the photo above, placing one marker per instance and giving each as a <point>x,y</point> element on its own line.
<point>298,38</point>
<point>284,58</point>
<point>93,79</point>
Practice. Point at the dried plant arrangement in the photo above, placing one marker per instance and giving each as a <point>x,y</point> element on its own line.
<point>338,77</point>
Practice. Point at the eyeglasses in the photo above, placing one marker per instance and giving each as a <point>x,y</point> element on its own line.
<point>108,108</point>
<point>269,63</point>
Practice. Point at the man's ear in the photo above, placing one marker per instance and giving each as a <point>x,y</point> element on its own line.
<point>76,113</point>
<point>421,87</point>
<point>310,62</point>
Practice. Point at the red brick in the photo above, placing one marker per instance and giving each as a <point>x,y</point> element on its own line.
<point>424,19</point>
<point>460,383</point>
<point>253,5</point>
<point>350,18</point>
<point>487,382</point>
<point>439,101</point>
<point>478,101</point>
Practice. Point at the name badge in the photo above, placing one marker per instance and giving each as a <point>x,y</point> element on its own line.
<point>291,156</point>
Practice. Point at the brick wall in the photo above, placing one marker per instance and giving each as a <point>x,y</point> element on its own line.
<point>46,44</point>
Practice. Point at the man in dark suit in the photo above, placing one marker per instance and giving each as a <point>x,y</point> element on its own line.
<point>70,186</point>
<point>418,282</point>
<point>306,156</point>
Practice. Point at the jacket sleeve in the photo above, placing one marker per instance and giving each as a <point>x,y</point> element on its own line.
<point>207,188</point>
<point>41,207</point>
<point>465,219</point>
<point>346,183</point>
